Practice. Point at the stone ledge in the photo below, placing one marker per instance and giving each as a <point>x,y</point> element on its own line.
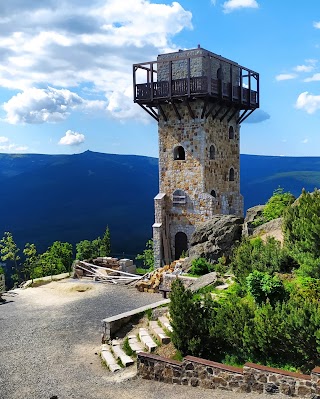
<point>278,371</point>
<point>112,324</point>
<point>157,358</point>
<point>210,363</point>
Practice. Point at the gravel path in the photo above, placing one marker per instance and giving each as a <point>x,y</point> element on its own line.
<point>50,337</point>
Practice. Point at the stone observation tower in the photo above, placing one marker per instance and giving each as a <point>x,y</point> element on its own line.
<point>199,100</point>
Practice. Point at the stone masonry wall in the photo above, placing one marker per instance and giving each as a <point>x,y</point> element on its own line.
<point>207,374</point>
<point>199,65</point>
<point>197,175</point>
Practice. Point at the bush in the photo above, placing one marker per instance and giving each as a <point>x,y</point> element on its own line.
<point>264,287</point>
<point>200,267</point>
<point>275,206</point>
<point>302,233</point>
<point>254,254</point>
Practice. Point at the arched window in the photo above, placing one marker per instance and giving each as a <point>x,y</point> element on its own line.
<point>231,174</point>
<point>179,154</point>
<point>181,244</point>
<point>213,193</point>
<point>179,197</point>
<point>220,74</point>
<point>212,152</point>
<point>231,132</point>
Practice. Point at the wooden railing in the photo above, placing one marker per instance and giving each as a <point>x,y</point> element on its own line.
<point>196,85</point>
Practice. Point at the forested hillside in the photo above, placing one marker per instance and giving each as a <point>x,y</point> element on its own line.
<point>70,198</point>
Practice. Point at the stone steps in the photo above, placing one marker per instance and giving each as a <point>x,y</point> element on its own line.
<point>146,340</point>
<point>108,357</point>
<point>135,344</point>
<point>119,354</point>
<point>158,332</point>
<point>110,353</point>
<point>164,321</point>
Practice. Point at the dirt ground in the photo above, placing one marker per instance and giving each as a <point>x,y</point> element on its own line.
<point>50,339</point>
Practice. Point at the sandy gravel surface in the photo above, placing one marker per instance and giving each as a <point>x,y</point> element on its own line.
<point>50,337</point>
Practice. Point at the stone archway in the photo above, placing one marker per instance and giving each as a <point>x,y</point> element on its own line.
<point>181,244</point>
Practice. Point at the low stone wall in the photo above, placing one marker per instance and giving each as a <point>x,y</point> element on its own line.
<point>207,374</point>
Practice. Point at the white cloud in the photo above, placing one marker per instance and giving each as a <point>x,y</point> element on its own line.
<point>316,25</point>
<point>80,45</point>
<point>304,68</point>
<point>72,138</point>
<point>308,102</point>
<point>3,139</point>
<point>231,5</point>
<point>305,141</point>
<point>12,148</point>
<point>45,105</point>
<point>286,76</point>
<point>314,78</point>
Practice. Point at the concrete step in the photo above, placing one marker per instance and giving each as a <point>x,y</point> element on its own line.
<point>119,354</point>
<point>158,332</point>
<point>164,321</point>
<point>135,344</point>
<point>108,357</point>
<point>146,340</point>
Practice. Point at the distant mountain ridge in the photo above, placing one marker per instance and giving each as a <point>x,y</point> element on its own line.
<point>73,197</point>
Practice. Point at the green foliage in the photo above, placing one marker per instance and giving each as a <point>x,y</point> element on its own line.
<point>200,266</point>
<point>189,320</point>
<point>84,250</point>
<point>302,233</point>
<point>92,249</point>
<point>9,251</point>
<point>30,262</point>
<point>264,287</point>
<point>147,256</point>
<point>57,259</point>
<point>275,206</point>
<point>254,254</point>
<point>126,347</point>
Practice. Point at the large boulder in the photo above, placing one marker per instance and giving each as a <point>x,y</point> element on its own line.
<point>253,214</point>
<point>270,229</point>
<point>216,237</point>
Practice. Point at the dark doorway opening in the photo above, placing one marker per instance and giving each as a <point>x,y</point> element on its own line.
<point>181,244</point>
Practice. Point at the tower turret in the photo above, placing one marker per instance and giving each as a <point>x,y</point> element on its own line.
<point>199,100</point>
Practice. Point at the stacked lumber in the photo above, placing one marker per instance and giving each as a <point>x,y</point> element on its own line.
<point>153,280</point>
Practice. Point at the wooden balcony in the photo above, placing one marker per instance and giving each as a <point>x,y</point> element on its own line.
<point>174,78</point>
<point>148,93</point>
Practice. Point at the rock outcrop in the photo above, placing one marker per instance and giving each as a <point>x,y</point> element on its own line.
<point>216,237</point>
<point>253,214</point>
<point>270,229</point>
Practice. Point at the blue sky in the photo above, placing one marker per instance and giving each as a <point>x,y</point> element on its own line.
<point>66,70</point>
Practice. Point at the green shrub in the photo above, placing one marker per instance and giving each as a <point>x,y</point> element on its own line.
<point>275,206</point>
<point>264,287</point>
<point>200,267</point>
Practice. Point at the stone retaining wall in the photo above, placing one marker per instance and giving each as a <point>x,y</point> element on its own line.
<point>207,374</point>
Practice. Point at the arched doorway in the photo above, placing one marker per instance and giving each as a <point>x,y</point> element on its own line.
<point>181,244</point>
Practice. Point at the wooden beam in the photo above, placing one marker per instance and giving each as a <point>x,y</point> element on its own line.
<point>241,116</point>
<point>233,114</point>
<point>245,116</point>
<point>149,112</point>
<point>162,112</point>
<point>189,109</point>
<point>153,111</point>
<point>225,114</point>
<point>205,103</point>
<point>210,110</point>
<point>217,113</point>
<point>176,110</point>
